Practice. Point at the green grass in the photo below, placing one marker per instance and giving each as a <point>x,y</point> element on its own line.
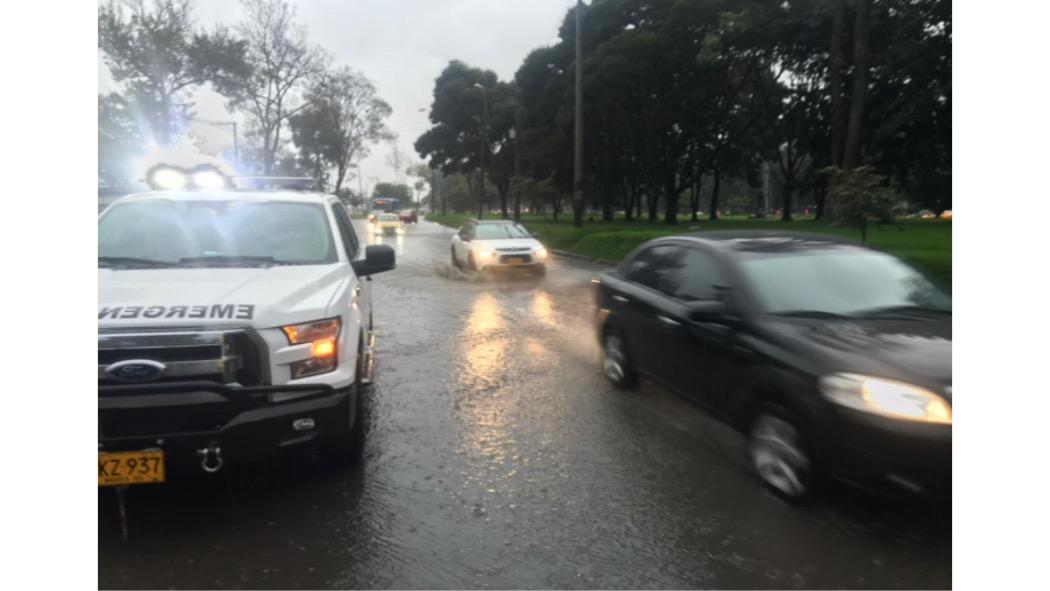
<point>925,243</point>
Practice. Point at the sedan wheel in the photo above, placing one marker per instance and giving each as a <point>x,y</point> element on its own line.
<point>779,456</point>
<point>615,364</point>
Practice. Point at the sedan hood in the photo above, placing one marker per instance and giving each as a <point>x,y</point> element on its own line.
<point>914,350</point>
<point>530,243</point>
<point>259,296</point>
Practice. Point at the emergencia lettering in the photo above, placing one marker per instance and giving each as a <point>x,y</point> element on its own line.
<point>228,311</point>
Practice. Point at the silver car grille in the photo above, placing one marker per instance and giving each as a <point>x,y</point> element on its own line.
<point>225,356</point>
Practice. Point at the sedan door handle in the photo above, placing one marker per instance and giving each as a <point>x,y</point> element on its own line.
<point>668,321</point>
<point>621,299</point>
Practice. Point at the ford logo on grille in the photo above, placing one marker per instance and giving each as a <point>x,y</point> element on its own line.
<point>135,370</point>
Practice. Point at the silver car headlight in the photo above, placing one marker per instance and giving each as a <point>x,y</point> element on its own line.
<point>888,398</point>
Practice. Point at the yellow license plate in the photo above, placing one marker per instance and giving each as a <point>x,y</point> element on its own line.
<point>130,467</point>
<point>515,262</point>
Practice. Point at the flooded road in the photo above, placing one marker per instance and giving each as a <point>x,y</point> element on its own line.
<point>499,457</point>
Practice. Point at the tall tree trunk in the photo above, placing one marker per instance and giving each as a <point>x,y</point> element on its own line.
<point>861,34</point>
<point>470,185</point>
<point>628,200</point>
<point>517,201</point>
<point>671,208</point>
<point>654,203</point>
<point>504,211</point>
<point>607,202</point>
<point>714,193</point>
<point>789,188</point>
<point>836,67</point>
<point>637,201</point>
<point>694,198</point>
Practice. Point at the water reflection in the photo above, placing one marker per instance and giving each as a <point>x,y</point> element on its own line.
<point>543,308</point>
<point>485,365</point>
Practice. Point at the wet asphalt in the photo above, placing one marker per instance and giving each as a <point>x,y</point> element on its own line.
<point>499,457</point>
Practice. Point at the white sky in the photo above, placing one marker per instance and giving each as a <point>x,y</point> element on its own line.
<point>402,46</point>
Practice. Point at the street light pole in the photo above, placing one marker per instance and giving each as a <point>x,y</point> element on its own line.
<point>484,148</point>
<point>577,180</point>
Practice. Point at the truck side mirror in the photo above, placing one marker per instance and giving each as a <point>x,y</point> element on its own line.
<point>378,258</point>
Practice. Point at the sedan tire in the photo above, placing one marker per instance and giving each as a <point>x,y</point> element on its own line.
<point>780,454</point>
<point>616,364</point>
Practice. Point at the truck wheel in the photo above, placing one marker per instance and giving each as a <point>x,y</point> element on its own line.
<point>455,261</point>
<point>780,454</point>
<point>345,449</point>
<point>471,263</point>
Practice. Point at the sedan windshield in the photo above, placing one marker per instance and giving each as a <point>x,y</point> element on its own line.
<point>499,231</point>
<point>840,282</point>
<point>223,233</point>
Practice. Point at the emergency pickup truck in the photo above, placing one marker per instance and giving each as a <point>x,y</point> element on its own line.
<point>232,325</point>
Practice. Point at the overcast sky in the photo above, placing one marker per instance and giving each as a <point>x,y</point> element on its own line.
<point>402,46</point>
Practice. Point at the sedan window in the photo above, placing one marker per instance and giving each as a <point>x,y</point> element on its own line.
<point>701,278</point>
<point>658,267</point>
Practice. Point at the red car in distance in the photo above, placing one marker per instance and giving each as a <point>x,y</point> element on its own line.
<point>408,216</point>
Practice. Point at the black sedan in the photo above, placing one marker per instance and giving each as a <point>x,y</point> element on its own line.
<point>834,359</point>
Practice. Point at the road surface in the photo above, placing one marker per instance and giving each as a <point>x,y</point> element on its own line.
<point>498,457</point>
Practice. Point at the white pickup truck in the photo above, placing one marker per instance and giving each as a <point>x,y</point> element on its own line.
<point>231,325</point>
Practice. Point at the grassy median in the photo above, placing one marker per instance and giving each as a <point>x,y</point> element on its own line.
<point>925,243</point>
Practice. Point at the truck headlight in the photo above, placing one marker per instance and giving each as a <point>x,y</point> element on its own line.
<point>485,254</point>
<point>888,398</point>
<point>541,253</point>
<point>322,336</point>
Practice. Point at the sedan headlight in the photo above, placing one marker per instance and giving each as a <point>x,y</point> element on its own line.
<point>322,336</point>
<point>888,398</point>
<point>486,253</point>
<point>541,253</point>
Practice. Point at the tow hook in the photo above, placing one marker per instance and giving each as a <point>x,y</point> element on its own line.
<point>211,458</point>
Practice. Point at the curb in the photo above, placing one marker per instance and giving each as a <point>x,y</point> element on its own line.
<point>580,257</point>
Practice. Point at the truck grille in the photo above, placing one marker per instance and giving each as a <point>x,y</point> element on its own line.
<point>224,356</point>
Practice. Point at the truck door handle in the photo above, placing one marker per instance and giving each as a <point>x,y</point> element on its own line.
<point>621,299</point>
<point>668,321</point>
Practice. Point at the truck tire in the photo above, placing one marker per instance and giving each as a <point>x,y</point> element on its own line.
<point>346,449</point>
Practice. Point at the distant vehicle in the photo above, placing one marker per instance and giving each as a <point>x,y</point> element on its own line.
<point>409,216</point>
<point>927,214</point>
<point>946,214</point>
<point>386,204</point>
<point>372,215</point>
<point>388,223</point>
<point>832,358</point>
<point>497,244</point>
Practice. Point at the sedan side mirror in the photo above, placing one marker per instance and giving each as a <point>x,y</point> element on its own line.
<point>378,258</point>
<point>710,311</point>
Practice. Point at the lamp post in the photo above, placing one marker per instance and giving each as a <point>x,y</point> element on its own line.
<point>484,147</point>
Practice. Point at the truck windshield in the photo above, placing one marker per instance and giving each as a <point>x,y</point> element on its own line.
<point>238,233</point>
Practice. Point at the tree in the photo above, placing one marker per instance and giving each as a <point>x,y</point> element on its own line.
<point>342,117</point>
<point>454,144</point>
<point>154,50</point>
<point>860,196</point>
<point>281,65</point>
<point>398,161</point>
<point>120,140</point>
<point>393,190</point>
